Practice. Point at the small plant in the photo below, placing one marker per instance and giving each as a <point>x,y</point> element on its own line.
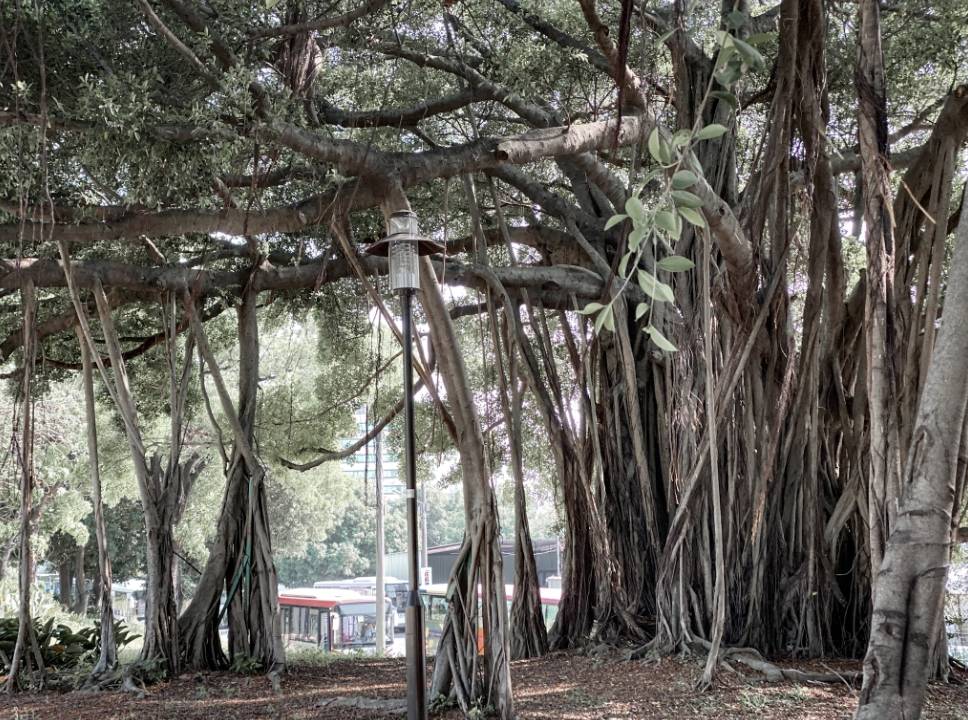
<point>246,665</point>
<point>439,703</point>
<point>752,700</point>
<point>479,712</point>
<point>61,647</point>
<point>795,696</point>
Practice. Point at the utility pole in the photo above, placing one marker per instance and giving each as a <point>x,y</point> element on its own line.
<point>381,611</point>
<point>424,558</point>
<point>403,248</point>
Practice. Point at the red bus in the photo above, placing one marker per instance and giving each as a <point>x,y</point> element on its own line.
<point>435,609</point>
<point>331,619</point>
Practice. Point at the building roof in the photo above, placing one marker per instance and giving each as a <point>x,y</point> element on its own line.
<point>507,547</point>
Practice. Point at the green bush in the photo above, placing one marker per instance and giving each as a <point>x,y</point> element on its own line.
<point>61,647</point>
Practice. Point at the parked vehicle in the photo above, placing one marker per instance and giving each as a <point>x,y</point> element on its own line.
<point>394,588</point>
<point>331,618</point>
<point>434,598</point>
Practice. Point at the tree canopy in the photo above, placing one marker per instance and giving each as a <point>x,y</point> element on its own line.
<point>695,261</point>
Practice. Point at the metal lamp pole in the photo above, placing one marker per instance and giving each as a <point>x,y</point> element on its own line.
<point>416,680</point>
<point>403,247</point>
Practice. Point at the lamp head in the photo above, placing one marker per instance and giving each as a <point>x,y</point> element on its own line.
<point>404,246</point>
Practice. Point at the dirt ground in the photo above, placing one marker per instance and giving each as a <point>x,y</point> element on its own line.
<point>559,687</point>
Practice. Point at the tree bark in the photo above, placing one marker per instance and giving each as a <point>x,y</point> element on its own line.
<point>241,558</point>
<point>529,636</point>
<point>108,658</point>
<point>911,580</point>
<point>883,480</point>
<point>26,644</point>
<point>80,582</point>
<point>162,489</point>
<point>65,583</point>
<point>456,670</point>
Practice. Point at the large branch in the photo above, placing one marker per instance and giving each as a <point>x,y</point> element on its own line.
<point>165,132</point>
<point>403,117</point>
<point>552,284</point>
<point>411,168</point>
<point>595,58</point>
<point>323,23</point>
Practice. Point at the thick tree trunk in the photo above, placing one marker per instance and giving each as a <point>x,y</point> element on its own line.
<point>883,479</point>
<point>529,636</point>
<point>161,491</point>
<point>80,582</point>
<point>161,628</point>
<point>65,579</point>
<point>911,580</point>
<point>241,558</point>
<point>457,669</point>
<point>26,644</point>
<point>108,658</point>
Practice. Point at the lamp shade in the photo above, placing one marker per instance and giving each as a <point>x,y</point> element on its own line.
<point>404,246</point>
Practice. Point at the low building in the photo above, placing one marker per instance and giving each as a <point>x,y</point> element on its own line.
<point>441,559</point>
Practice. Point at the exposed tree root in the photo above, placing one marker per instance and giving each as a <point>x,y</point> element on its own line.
<point>774,673</point>
<point>386,706</point>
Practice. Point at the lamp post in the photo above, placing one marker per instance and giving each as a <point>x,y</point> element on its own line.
<point>404,246</point>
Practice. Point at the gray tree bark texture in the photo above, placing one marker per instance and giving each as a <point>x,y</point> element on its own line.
<point>240,560</point>
<point>108,658</point>
<point>26,640</point>
<point>910,583</point>
<point>881,379</point>
<point>458,671</point>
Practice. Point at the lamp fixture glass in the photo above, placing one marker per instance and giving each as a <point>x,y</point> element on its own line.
<point>404,223</point>
<point>403,247</point>
<point>404,264</point>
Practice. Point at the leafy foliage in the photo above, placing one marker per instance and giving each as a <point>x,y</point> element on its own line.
<point>62,647</point>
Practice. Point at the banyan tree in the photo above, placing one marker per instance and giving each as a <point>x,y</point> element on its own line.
<point>708,246</point>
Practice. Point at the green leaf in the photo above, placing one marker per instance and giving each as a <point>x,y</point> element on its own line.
<point>713,130</point>
<point>660,340</point>
<point>591,308</point>
<point>681,138</point>
<point>641,309</point>
<point>726,53</point>
<point>684,198</point>
<point>606,319</point>
<point>614,220</point>
<point>668,222</point>
<point>609,320</point>
<point>654,288</point>
<point>732,72</point>
<point>658,148</point>
<point>676,263</point>
<point>726,97</point>
<point>760,38</point>
<point>683,179</point>
<point>623,265</point>
<point>736,19</point>
<point>637,236</point>
<point>634,208</point>
<point>693,216</point>
<point>749,53</point>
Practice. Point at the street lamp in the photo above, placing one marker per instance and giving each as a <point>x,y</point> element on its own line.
<point>404,246</point>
